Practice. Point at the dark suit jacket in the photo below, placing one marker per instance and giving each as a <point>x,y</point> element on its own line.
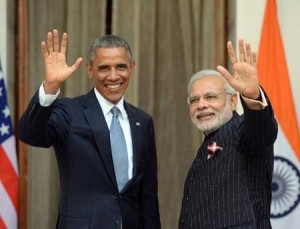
<point>77,130</point>
<point>233,188</point>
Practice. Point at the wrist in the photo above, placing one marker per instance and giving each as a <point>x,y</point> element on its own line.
<point>50,88</point>
<point>254,95</point>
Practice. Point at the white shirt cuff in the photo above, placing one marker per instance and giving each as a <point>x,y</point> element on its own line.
<point>46,99</point>
<point>255,104</point>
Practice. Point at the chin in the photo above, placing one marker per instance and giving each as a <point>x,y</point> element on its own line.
<point>207,127</point>
<point>114,98</point>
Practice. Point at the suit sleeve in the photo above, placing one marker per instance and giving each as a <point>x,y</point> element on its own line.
<point>260,127</point>
<point>43,126</point>
<point>150,207</point>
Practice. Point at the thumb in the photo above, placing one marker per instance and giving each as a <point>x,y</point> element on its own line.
<point>76,65</point>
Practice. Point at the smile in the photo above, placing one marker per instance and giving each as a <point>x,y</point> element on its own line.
<point>113,86</point>
<point>203,117</point>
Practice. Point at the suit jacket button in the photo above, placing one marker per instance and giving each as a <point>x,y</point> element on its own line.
<point>182,221</point>
<point>187,198</point>
<point>117,222</point>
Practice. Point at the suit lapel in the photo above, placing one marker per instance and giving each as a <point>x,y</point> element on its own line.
<point>97,123</point>
<point>95,118</point>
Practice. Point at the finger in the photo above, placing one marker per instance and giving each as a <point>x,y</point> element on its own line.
<point>241,50</point>
<point>254,59</point>
<point>224,73</point>
<point>44,49</point>
<point>55,41</point>
<point>64,41</point>
<point>50,42</point>
<point>248,53</point>
<point>231,52</point>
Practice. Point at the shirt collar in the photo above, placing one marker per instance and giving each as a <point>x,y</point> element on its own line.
<point>107,105</point>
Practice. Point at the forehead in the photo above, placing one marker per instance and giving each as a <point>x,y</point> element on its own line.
<point>208,84</point>
<point>111,53</point>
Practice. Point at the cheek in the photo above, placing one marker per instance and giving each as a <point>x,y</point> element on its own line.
<point>126,76</point>
<point>99,77</point>
<point>219,106</point>
<point>126,81</point>
<point>192,111</point>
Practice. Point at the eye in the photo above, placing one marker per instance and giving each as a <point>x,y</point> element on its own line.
<point>102,68</point>
<point>194,100</point>
<point>210,97</point>
<point>122,66</point>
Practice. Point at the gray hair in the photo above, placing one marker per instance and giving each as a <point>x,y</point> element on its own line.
<point>204,73</point>
<point>108,41</point>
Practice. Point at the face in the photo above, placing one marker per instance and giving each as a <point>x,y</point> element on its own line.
<point>111,69</point>
<point>212,112</point>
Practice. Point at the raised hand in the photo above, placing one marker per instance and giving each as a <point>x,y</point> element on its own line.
<point>244,79</point>
<point>56,68</point>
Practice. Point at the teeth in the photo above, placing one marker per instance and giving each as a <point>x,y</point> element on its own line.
<point>113,86</point>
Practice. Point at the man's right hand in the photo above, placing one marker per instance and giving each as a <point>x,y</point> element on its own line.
<point>56,68</point>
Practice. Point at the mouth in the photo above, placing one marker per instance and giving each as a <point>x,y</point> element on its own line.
<point>114,86</point>
<point>204,116</point>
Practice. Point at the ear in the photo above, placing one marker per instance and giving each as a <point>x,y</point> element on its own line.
<point>132,66</point>
<point>89,70</point>
<point>233,101</point>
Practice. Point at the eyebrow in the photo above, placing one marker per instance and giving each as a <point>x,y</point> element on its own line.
<point>100,67</point>
<point>104,66</point>
<point>122,65</point>
<point>207,93</point>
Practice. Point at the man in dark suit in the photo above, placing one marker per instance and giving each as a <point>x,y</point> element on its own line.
<point>108,172</point>
<point>229,182</point>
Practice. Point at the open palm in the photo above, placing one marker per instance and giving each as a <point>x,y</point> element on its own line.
<point>245,79</point>
<point>56,68</point>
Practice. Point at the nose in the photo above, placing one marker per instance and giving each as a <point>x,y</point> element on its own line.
<point>201,104</point>
<point>113,74</point>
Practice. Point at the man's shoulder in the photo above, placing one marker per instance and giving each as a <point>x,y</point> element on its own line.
<point>234,125</point>
<point>80,99</point>
<point>235,120</point>
<point>133,110</point>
